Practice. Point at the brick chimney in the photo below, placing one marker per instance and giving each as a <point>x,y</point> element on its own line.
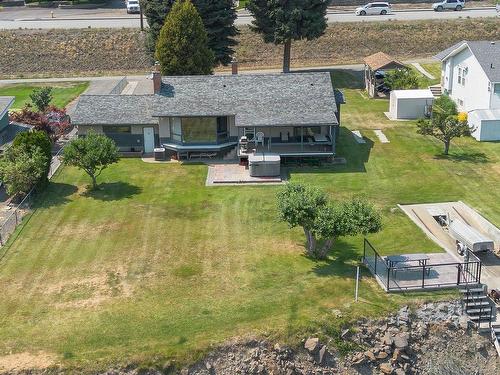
<point>156,78</point>
<point>234,66</point>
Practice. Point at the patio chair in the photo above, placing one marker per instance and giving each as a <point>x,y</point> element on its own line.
<point>259,138</point>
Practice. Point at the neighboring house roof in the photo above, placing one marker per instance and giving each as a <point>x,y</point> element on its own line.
<point>486,52</point>
<point>8,133</point>
<point>5,103</point>
<point>305,99</point>
<point>113,110</point>
<point>381,60</point>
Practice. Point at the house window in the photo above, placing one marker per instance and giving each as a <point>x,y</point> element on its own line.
<point>459,75</point>
<point>496,88</point>
<point>460,102</point>
<point>117,129</point>
<point>175,131</point>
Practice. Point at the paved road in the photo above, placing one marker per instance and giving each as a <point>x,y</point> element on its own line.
<point>14,18</point>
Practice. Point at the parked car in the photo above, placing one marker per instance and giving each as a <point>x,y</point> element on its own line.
<point>373,8</point>
<point>133,6</point>
<point>448,5</point>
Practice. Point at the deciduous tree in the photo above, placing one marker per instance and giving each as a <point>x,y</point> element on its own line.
<point>445,123</point>
<point>92,153</point>
<point>33,141</point>
<point>281,22</point>
<point>21,168</point>
<point>41,98</point>
<point>401,79</point>
<point>182,45</point>
<point>323,222</point>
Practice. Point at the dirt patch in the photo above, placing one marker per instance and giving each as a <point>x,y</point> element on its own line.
<point>13,363</point>
<point>92,291</point>
<point>118,51</point>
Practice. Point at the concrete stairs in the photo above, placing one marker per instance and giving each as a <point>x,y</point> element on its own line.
<point>436,90</point>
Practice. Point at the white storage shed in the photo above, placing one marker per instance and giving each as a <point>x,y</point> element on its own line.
<point>410,104</point>
<point>486,124</point>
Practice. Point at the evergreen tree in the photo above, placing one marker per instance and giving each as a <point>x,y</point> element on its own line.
<point>218,18</point>
<point>182,47</point>
<point>281,21</point>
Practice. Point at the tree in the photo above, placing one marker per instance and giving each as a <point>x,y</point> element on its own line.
<point>280,22</point>
<point>445,123</point>
<point>218,18</point>
<point>41,98</point>
<point>182,45</point>
<point>33,141</point>
<point>21,168</point>
<point>323,222</point>
<point>92,153</point>
<point>401,79</point>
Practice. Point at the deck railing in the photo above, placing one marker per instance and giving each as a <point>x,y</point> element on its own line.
<point>420,276</point>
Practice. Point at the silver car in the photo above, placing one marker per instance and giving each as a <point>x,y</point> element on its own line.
<point>448,5</point>
<point>373,8</point>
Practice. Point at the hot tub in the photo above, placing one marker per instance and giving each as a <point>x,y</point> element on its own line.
<point>264,165</point>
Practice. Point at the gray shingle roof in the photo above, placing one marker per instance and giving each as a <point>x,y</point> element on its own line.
<point>113,110</point>
<point>486,52</point>
<point>8,133</point>
<point>254,100</point>
<point>5,103</point>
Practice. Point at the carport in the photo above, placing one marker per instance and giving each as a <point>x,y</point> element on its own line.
<point>374,64</point>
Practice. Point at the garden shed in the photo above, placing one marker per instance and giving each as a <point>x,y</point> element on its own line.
<point>410,104</point>
<point>486,124</point>
<point>375,67</point>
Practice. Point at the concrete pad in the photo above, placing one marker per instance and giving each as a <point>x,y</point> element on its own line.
<point>381,136</point>
<point>357,136</point>
<point>235,174</point>
<point>421,214</point>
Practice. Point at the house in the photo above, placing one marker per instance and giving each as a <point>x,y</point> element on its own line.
<point>293,115</point>
<point>470,75</point>
<point>8,130</point>
<point>375,67</point>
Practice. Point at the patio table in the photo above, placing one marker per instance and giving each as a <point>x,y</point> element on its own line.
<point>396,262</point>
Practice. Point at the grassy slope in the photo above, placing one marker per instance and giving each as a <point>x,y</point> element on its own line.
<point>63,92</point>
<point>157,265</point>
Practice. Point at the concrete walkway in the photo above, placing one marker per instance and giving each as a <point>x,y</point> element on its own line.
<point>421,69</point>
<point>355,67</point>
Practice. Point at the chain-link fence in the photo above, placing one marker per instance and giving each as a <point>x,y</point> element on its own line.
<point>16,213</point>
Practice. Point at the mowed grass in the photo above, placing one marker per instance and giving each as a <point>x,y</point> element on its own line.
<point>62,92</point>
<point>157,266</point>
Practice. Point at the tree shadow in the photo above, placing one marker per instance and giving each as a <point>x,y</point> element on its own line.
<point>469,157</point>
<point>113,191</point>
<point>356,155</point>
<point>336,264</point>
<point>56,194</point>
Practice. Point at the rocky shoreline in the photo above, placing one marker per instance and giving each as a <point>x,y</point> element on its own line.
<point>434,339</point>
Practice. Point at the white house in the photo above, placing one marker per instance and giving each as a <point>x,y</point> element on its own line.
<point>470,75</point>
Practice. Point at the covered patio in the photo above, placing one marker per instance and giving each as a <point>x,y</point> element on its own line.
<point>298,141</point>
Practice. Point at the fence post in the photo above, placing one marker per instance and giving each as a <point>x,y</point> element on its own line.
<point>459,268</point>
<point>479,265</point>
<point>388,277</point>
<point>423,276</point>
<point>357,283</point>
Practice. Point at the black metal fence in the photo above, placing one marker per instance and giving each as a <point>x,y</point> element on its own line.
<point>430,274</point>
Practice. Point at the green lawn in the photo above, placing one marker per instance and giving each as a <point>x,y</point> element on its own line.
<point>63,92</point>
<point>158,266</point>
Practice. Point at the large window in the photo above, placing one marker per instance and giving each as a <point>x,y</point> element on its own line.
<point>117,129</point>
<point>197,130</point>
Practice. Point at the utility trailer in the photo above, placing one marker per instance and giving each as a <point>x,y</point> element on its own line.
<point>469,237</point>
